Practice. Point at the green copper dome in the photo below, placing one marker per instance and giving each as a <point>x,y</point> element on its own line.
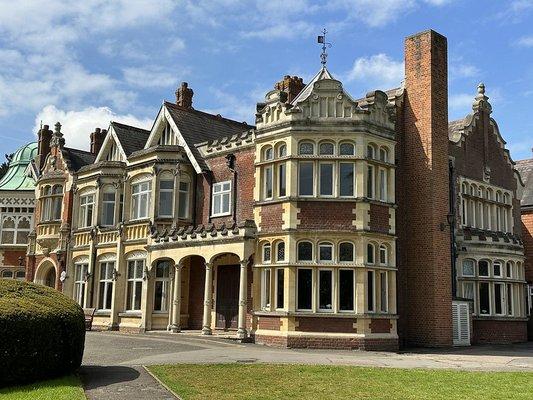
<point>16,177</point>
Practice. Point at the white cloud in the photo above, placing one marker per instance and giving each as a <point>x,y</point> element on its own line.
<point>151,77</point>
<point>525,41</point>
<point>438,2</point>
<point>77,125</point>
<point>377,72</point>
<point>461,102</point>
<point>459,69</point>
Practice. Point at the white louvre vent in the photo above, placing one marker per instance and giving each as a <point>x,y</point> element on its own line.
<point>461,324</point>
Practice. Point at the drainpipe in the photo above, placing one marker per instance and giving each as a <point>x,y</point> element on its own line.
<point>451,222</point>
<point>230,161</point>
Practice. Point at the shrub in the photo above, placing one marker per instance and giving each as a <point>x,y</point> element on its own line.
<point>42,333</point>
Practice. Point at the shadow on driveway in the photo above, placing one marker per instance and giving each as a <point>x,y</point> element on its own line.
<point>95,376</point>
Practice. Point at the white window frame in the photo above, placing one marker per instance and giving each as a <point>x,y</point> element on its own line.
<point>138,263</point>
<point>80,282</point>
<point>326,244</point>
<point>165,289</point>
<point>86,204</point>
<point>184,195</point>
<point>136,211</point>
<point>266,285</point>
<point>109,190</point>
<point>108,284</point>
<point>219,191</point>
<point>166,178</point>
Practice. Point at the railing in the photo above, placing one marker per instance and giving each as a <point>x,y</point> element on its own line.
<point>48,229</point>
<point>107,237</point>
<point>138,231</point>
<point>82,239</point>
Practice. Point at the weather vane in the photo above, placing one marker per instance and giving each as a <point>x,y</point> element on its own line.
<point>325,45</point>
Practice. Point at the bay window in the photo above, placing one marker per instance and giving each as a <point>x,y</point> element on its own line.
<point>325,290</point>
<point>346,289</point>
<point>134,288</point>
<point>105,294</point>
<point>108,206</point>
<point>51,199</point>
<point>346,179</point>
<point>305,179</point>
<point>183,200</point>
<point>166,196</point>
<point>86,210</point>
<point>305,288</point>
<point>140,199</point>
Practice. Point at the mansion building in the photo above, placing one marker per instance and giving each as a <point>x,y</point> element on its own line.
<point>334,222</point>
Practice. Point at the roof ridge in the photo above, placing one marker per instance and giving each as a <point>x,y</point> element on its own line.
<point>130,126</point>
<point>216,117</point>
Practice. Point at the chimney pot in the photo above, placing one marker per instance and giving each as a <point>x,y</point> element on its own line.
<point>184,95</point>
<point>97,140</point>
<point>292,86</point>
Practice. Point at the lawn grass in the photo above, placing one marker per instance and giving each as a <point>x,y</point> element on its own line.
<point>294,382</point>
<point>64,388</point>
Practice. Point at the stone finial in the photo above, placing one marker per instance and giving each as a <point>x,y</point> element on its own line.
<point>481,101</point>
<point>481,88</point>
<point>57,137</point>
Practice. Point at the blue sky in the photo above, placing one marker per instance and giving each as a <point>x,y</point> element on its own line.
<point>87,62</point>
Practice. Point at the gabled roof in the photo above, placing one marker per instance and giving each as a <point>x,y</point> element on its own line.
<point>306,91</point>
<point>77,158</point>
<point>16,177</point>
<point>525,168</point>
<point>198,126</point>
<point>131,138</point>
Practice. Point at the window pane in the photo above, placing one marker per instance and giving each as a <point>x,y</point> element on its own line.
<point>22,237</point>
<point>281,251</point>
<point>325,290</point>
<point>268,182</point>
<point>217,204</point>
<point>346,252</point>
<point>346,149</point>
<point>306,148</point>
<point>468,290</point>
<point>326,148</point>
<point>468,268</point>
<point>266,253</point>
<point>305,251</point>
<point>497,269</point>
<point>225,203</point>
<point>383,281</point>
<point>183,211</point>
<point>282,180</point>
<point>280,288</point>
<point>370,254</point>
<point>325,252</point>
<point>484,299</point>
<point>8,236</point>
<point>509,299</point>
<point>346,290</point>
<point>498,298</point>
<point>326,179</point>
<point>370,291</point>
<point>305,289</point>
<point>138,290</point>
<point>483,268</point>
<point>158,296</point>
<point>370,182</point>
<point>306,179</point>
<point>346,178</point>
<point>166,184</point>
<point>108,217</point>
<point>165,203</point>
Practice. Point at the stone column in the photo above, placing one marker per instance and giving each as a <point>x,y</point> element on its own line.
<point>208,298</point>
<point>243,297</point>
<point>176,304</point>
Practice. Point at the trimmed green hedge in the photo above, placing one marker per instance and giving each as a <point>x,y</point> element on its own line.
<point>42,333</point>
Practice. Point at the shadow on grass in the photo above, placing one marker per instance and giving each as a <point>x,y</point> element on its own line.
<point>95,376</point>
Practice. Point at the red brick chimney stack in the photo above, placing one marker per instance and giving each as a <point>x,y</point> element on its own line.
<point>97,139</point>
<point>184,95</point>
<point>292,85</point>
<point>425,260</point>
<point>44,135</point>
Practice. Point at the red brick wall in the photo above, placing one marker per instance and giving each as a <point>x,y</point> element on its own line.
<point>422,186</point>
<point>380,326</point>
<point>527,237</point>
<point>499,332</point>
<point>244,166</point>
<point>269,323</point>
<point>298,342</point>
<point>11,257</point>
<point>326,215</point>
<point>379,218</point>
<point>271,217</point>
<point>326,324</point>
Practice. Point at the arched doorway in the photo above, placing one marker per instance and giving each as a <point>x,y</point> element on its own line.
<point>46,274</point>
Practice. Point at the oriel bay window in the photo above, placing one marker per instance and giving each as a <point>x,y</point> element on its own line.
<point>135,280</point>
<point>51,199</point>
<point>108,206</point>
<point>221,200</point>
<point>305,289</point>
<point>86,210</point>
<point>105,292</point>
<point>162,286</point>
<point>166,196</point>
<point>140,199</point>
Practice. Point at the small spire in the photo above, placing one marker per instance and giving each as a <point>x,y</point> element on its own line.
<point>481,101</point>
<point>324,55</point>
<point>481,88</point>
<point>57,136</point>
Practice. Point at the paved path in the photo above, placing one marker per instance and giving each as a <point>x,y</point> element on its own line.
<point>112,367</point>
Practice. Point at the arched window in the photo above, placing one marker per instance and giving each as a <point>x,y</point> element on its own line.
<point>473,190</point>
<point>346,252</point>
<point>7,274</point>
<point>490,194</point>
<point>280,251</point>
<point>506,198</point>
<point>464,188</point>
<point>162,285</point>
<point>370,253</point>
<point>326,148</point>
<point>20,275</point>
<point>108,205</point>
<point>267,253</point>
<point>483,268</point>
<point>282,150</point>
<point>383,255</point>
<point>468,267</point>
<point>23,229</point>
<point>306,148</point>
<point>347,149</point>
<point>268,153</point>
<point>8,230</point>
<point>184,197</point>
<point>384,154</point>
<point>509,269</point>
<point>305,251</point>
<point>325,252</point>
<point>371,151</point>
<point>86,210</point>
<point>166,195</point>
